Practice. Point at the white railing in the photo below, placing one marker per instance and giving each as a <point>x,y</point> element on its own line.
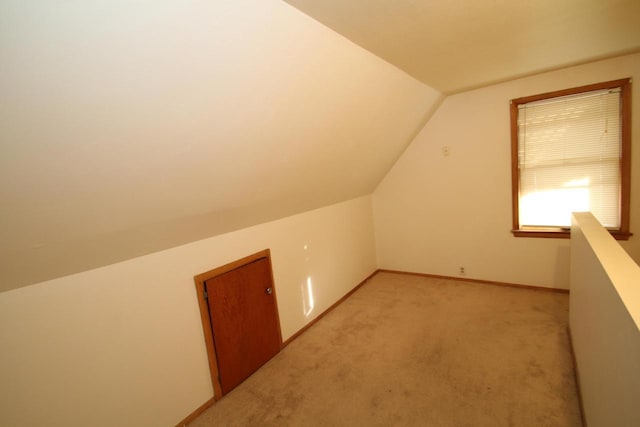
<point>605,325</point>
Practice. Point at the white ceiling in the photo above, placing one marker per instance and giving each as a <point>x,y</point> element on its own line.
<point>131,127</point>
<point>457,45</point>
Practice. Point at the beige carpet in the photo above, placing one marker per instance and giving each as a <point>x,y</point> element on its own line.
<point>413,351</point>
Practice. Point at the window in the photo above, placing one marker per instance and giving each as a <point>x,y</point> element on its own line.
<point>570,152</point>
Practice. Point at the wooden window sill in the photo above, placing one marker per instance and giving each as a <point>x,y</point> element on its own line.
<point>563,234</point>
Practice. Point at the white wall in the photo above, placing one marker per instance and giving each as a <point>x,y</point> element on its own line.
<point>123,344</point>
<point>605,325</point>
<point>434,214</point>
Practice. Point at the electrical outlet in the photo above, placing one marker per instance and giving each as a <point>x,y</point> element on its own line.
<point>461,271</point>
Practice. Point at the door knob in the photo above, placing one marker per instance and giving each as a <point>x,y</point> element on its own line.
<point>269,291</point>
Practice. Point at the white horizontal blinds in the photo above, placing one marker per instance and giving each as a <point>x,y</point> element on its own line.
<point>569,159</point>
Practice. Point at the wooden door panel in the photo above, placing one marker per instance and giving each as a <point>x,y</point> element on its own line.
<point>244,320</point>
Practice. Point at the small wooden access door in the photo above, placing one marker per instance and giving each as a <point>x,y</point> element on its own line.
<point>240,319</point>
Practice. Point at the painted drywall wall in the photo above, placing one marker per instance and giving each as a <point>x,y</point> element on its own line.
<point>435,213</point>
<point>123,344</point>
<point>604,316</point>
<point>132,127</point>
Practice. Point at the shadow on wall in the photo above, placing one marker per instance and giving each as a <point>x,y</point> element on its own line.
<point>562,267</point>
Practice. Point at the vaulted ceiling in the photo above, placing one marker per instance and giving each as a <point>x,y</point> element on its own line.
<point>132,127</point>
<point>458,45</point>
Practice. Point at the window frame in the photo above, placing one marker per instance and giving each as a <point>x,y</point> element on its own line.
<point>621,233</point>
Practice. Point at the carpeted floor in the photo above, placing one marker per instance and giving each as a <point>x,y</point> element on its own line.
<point>414,351</point>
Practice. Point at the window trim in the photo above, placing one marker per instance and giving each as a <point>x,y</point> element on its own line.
<point>625,160</point>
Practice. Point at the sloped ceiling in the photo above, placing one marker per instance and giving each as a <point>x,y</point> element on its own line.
<point>458,45</point>
<point>132,127</point>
